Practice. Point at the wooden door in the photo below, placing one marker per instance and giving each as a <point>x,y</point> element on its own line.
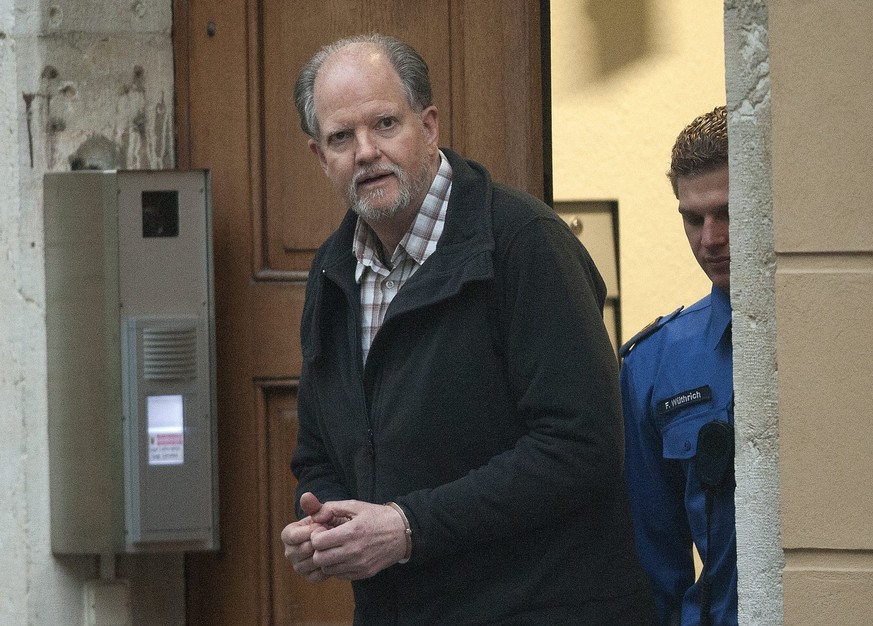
<point>236,63</point>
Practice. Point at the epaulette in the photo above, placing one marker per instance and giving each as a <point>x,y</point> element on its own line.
<point>647,330</point>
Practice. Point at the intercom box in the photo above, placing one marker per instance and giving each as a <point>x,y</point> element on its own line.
<point>131,361</point>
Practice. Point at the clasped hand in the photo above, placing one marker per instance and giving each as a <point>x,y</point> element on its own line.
<point>346,539</point>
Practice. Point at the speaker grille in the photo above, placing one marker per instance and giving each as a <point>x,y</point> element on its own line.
<point>169,353</point>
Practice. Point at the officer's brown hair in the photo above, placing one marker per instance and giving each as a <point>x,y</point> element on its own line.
<point>702,146</point>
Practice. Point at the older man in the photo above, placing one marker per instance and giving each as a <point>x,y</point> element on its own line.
<point>460,446</point>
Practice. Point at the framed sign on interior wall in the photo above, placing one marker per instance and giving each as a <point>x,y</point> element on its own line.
<point>595,223</point>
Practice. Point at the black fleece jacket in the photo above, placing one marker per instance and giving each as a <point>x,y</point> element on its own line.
<point>488,409</point>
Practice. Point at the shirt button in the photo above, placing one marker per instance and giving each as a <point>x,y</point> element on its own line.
<point>389,284</point>
<point>686,446</point>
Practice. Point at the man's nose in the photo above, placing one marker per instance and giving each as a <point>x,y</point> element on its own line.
<point>367,149</point>
<point>715,232</point>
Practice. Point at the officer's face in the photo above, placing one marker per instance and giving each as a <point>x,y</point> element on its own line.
<point>703,203</point>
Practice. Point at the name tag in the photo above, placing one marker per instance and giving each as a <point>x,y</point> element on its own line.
<point>683,400</point>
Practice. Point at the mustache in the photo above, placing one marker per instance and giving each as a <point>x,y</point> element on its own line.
<point>376,169</point>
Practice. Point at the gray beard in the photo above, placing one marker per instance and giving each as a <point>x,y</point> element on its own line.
<point>407,190</point>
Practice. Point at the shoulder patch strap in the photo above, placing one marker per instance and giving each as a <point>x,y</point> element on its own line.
<point>647,330</point>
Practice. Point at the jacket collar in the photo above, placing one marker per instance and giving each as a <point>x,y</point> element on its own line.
<point>463,253</point>
<point>468,223</point>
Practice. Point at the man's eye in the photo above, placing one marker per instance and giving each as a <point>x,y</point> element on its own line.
<point>387,122</point>
<point>339,137</point>
<point>693,220</point>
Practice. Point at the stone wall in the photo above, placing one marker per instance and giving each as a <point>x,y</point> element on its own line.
<point>83,84</point>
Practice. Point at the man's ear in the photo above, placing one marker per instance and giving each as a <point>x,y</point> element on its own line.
<point>315,147</point>
<point>431,122</point>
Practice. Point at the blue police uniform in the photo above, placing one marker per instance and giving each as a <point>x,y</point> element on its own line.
<point>675,377</point>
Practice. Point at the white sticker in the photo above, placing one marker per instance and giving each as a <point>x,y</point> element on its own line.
<point>166,449</point>
<point>166,426</point>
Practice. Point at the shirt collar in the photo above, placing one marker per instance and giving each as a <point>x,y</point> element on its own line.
<point>720,316</point>
<point>420,240</point>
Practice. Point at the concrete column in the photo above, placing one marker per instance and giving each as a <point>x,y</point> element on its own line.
<point>759,544</point>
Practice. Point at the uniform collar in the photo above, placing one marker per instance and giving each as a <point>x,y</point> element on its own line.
<point>720,316</point>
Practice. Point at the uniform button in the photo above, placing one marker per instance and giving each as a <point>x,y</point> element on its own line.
<point>389,284</point>
<point>686,446</point>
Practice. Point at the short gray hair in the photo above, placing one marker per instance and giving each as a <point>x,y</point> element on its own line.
<point>407,62</point>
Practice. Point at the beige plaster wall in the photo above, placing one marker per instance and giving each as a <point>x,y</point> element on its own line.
<point>627,76</point>
<point>823,222</point>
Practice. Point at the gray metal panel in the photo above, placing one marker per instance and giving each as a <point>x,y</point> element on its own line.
<point>166,282</point>
<point>163,274</point>
<point>103,278</point>
<point>83,363</point>
<point>168,502</point>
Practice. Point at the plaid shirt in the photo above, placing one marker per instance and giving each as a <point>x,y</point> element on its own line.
<point>380,284</point>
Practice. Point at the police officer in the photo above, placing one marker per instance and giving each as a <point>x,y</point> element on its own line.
<point>677,386</point>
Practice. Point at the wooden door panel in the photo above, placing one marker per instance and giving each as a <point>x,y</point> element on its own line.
<point>497,89</point>
<point>226,587</point>
<point>275,326</point>
<point>295,601</point>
